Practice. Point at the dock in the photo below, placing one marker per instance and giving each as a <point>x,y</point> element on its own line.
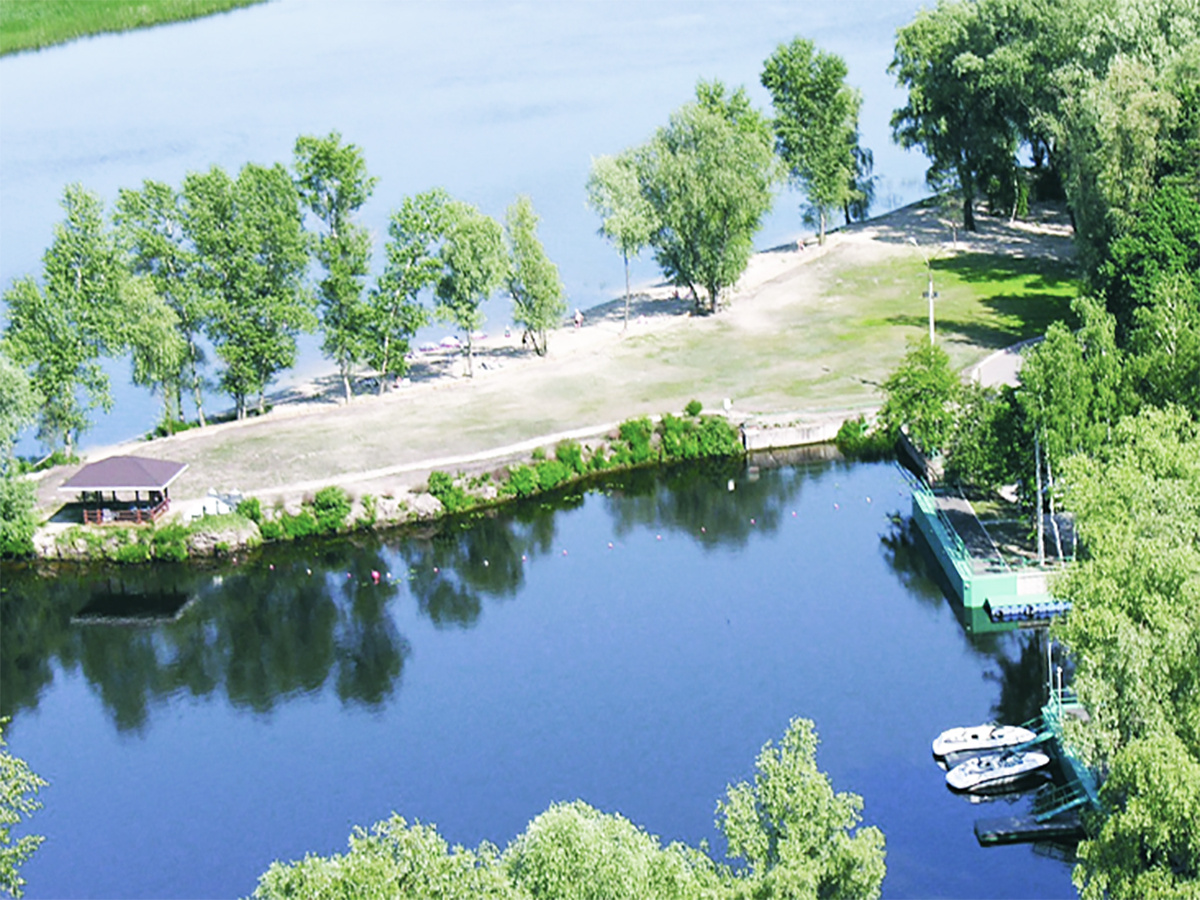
<point>1021,830</point>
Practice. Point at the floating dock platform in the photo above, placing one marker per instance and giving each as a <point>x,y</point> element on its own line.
<point>1018,830</point>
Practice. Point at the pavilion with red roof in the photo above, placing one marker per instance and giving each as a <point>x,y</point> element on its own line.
<point>138,474</point>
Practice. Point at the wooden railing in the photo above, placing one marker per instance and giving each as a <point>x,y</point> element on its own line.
<point>138,515</point>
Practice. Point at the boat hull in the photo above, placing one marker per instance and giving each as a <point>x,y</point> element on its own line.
<point>997,771</point>
<point>969,741</point>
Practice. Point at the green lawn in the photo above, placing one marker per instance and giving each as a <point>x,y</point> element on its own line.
<point>33,24</point>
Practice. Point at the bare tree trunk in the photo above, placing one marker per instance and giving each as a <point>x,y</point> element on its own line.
<point>471,355</point>
<point>387,346</point>
<point>346,382</point>
<point>1053,516</point>
<point>625,255</point>
<point>821,239</point>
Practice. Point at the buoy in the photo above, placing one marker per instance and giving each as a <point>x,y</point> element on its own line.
<point>868,499</point>
<point>658,537</point>
<point>486,564</point>
<point>375,576</point>
<point>610,545</point>
<point>751,521</point>
<point>793,514</point>
<point>835,506</point>
<point>348,575</point>
<point>564,553</point>
<point>435,570</point>
<point>703,530</point>
<point>524,558</point>
<point>308,571</point>
<point>272,567</point>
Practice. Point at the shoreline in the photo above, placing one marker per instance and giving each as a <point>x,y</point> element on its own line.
<point>788,317</point>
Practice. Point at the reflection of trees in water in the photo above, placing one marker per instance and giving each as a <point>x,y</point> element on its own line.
<point>1023,677</point>
<point>685,499</point>
<point>905,551</point>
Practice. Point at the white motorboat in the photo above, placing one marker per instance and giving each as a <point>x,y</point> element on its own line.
<point>980,739</point>
<point>994,770</point>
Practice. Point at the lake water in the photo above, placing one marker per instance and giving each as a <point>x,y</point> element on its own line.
<point>486,100</point>
<point>633,647</point>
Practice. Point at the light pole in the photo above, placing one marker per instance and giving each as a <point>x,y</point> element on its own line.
<point>929,293</point>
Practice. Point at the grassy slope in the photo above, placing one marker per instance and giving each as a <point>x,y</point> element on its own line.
<point>33,24</point>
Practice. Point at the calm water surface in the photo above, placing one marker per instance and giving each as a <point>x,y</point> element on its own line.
<point>505,666</point>
<point>485,99</point>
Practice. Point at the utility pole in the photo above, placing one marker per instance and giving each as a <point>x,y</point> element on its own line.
<point>929,292</point>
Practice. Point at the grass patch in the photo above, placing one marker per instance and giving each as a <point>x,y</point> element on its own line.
<point>33,24</point>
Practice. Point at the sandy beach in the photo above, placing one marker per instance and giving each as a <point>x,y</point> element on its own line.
<point>784,345</point>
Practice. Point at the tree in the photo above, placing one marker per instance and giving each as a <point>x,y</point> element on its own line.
<point>1133,632</point>
<point>921,395</point>
<point>627,220</point>
<point>152,229</point>
<point>415,234</point>
<point>19,405</point>
<point>18,789</point>
<point>60,331</point>
<point>708,177</point>
<point>252,252</point>
<point>333,183</point>
<point>794,832</point>
<point>816,125</point>
<point>539,300</point>
<point>955,67</point>
<point>160,352</point>
<point>474,267</point>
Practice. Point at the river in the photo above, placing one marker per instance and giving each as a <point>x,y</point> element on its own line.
<point>486,100</point>
<point>634,647</point>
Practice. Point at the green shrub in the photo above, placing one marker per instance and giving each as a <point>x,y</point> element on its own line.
<point>599,460</point>
<point>856,440</point>
<point>271,529</point>
<point>330,507</point>
<point>539,453</point>
<point>170,542</point>
<point>303,524</point>
<point>718,437</point>
<point>570,454</point>
<point>135,552</point>
<point>522,481</point>
<point>251,508</point>
<point>635,448</point>
<point>453,498</point>
<point>370,511</point>
<point>693,408</point>
<point>551,473</point>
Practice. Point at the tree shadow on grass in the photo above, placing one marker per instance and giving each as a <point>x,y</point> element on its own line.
<point>1017,318</point>
<point>981,268</point>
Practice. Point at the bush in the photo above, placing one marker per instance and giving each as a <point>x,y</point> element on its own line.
<point>330,507</point>
<point>522,481</point>
<point>599,460</point>
<point>170,542</point>
<point>856,440</point>
<point>635,435</point>
<point>551,473</point>
<point>453,498</point>
<point>251,508</point>
<point>570,454</point>
<point>136,552</point>
<point>370,511</point>
<point>710,436</point>
<point>18,519</point>
<point>271,529</point>
<point>693,408</point>
<point>301,525</point>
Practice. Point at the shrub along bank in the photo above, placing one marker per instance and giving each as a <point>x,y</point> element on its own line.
<point>331,510</point>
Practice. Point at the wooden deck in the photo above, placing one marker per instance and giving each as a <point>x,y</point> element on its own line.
<point>133,513</point>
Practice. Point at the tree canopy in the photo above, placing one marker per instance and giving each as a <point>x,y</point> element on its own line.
<point>816,126</point>
<point>474,265</point>
<point>708,177</point>
<point>627,220</point>
<point>539,299</point>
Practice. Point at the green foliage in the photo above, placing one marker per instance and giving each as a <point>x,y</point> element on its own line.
<point>693,408</point>
<point>551,473</point>
<point>251,508</point>
<point>522,481</point>
<point>370,516</point>
<point>415,233</point>
<point>474,266</point>
<point>248,233</point>
<point>990,444</point>
<point>816,124</point>
<point>627,220</point>
<point>18,518</point>
<point>708,177</point>
<point>794,833</point>
<point>634,445</point>
<point>921,395</point>
<point>539,299</point>
<point>301,525</point>
<point>797,837</point>
<point>700,438</point>
<point>170,542</point>
<point>396,860</point>
<point>33,24</point>
<point>330,507</point>
<point>133,553</point>
<point>18,408</point>
<point>333,182</point>
<point>271,529</point>
<point>857,440</point>
<point>573,850</point>
<point>1134,633</point>
<point>19,785</point>
<point>452,497</point>
<point>570,454</point>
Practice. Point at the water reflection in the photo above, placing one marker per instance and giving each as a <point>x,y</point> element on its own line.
<point>303,618</point>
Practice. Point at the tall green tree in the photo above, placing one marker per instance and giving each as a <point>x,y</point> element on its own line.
<point>708,176</point>
<point>334,184</point>
<point>252,253</point>
<point>796,835</point>
<point>62,329</point>
<point>19,405</point>
<point>816,125</point>
<point>627,220</point>
<point>539,299</point>
<point>921,395</point>
<point>19,785</point>
<point>158,349</point>
<point>152,230</point>
<point>474,266</point>
<point>1134,633</point>
<point>415,235</point>
<point>953,63</point>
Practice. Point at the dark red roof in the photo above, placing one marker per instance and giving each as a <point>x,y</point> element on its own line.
<point>125,473</point>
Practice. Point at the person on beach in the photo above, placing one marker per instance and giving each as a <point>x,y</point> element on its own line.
<point>578,319</point>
